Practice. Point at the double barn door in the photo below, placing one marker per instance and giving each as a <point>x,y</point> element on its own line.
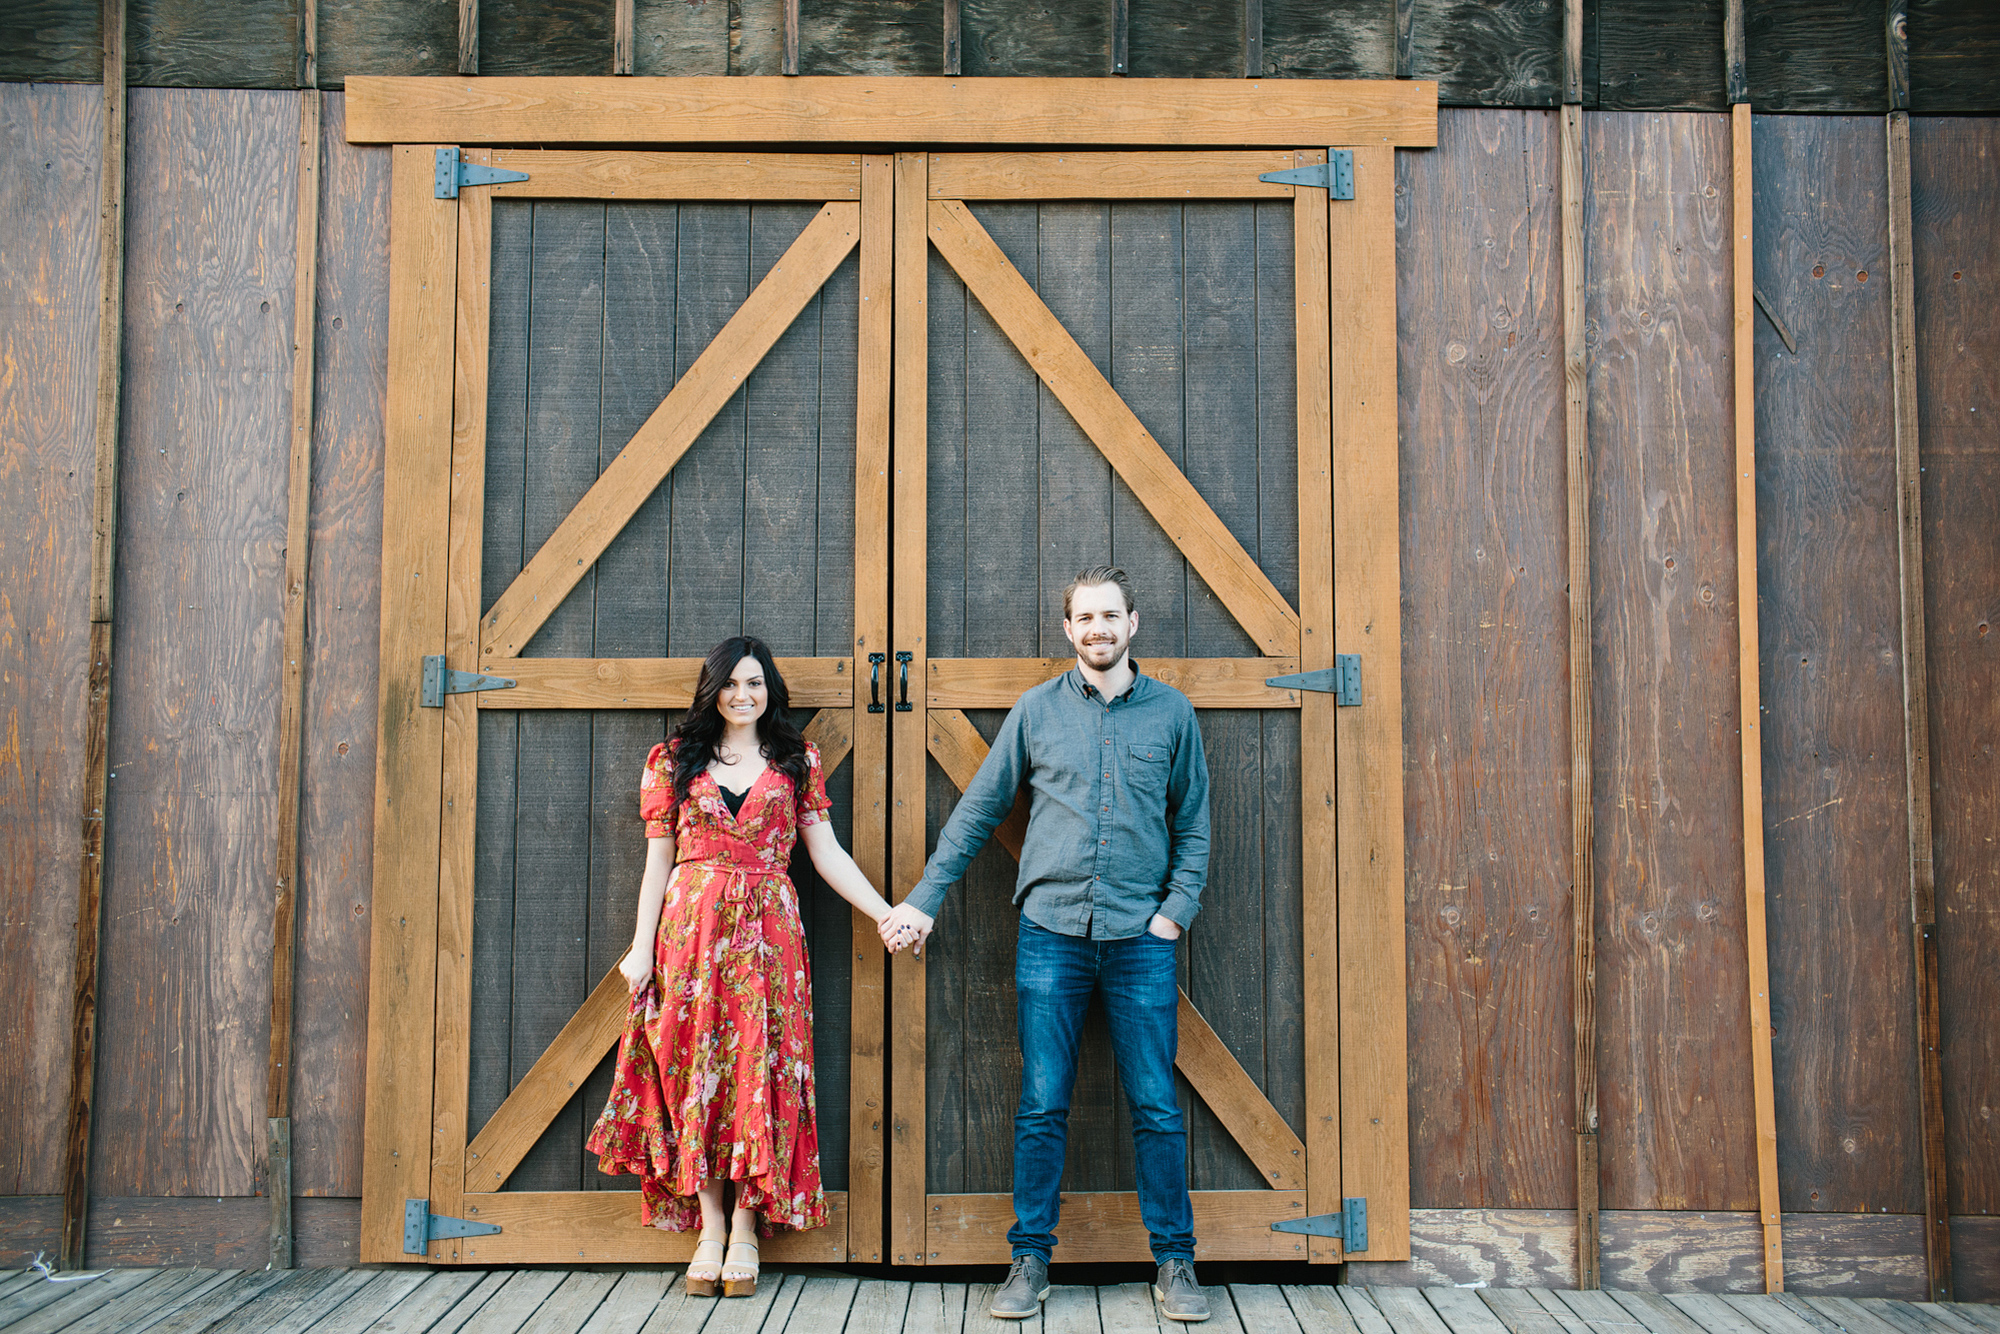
<point>877,409</point>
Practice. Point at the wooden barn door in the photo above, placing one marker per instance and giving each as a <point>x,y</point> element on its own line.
<point>1141,358</point>
<point>638,403</point>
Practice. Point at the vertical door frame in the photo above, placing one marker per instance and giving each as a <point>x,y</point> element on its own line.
<point>1351,830</point>
<point>440,265</point>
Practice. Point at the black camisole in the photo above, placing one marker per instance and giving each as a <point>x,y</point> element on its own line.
<point>732,799</point>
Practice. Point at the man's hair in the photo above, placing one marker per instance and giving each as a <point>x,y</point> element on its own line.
<point>1100,574</point>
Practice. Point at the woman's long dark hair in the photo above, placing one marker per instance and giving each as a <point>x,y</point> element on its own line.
<point>699,731</point>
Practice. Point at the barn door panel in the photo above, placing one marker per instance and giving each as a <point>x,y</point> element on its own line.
<point>667,385</point>
<point>1132,366</point>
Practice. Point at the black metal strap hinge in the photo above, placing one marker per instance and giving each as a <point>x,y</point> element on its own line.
<point>1342,680</point>
<point>1335,175</point>
<point>1350,1225</point>
<point>440,681</point>
<point>454,173</point>
<point>421,1227</point>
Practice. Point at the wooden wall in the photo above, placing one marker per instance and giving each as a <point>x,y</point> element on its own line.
<point>49,185</point>
<point>1804,55</point>
<point>188,903</point>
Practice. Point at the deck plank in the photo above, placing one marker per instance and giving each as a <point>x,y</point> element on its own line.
<point>1461,1309</point>
<point>200,1309</point>
<point>297,1306</point>
<point>1225,1314</point>
<point>1407,1310</point>
<point>1127,1308</point>
<point>1850,1316</point>
<point>166,1287</point>
<point>76,1300</point>
<point>935,1308</point>
<point>1517,1309</point>
<point>1772,1316</point>
<point>1366,1314</point>
<point>744,1315</point>
<point>515,1304</point>
<point>1937,1315</point>
<point>1264,1306</point>
<point>440,1306</point>
<point>23,1302</point>
<point>1659,1315</point>
<point>631,1303</point>
<point>679,1313</point>
<point>878,1304</point>
<point>1818,1319</point>
<point>388,1290</point>
<point>17,1280</point>
<point>572,1304</point>
<point>1712,1313</point>
<point>821,1306</point>
<point>1318,1309</point>
<point>1600,1312</point>
<point>1989,1316</point>
<point>1070,1309</point>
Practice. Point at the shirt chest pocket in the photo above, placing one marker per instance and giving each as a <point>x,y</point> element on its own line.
<point>1146,766</point>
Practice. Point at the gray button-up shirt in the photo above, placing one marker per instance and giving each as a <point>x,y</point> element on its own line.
<point>1118,813</point>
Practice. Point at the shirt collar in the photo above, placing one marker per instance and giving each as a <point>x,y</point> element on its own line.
<point>1089,691</point>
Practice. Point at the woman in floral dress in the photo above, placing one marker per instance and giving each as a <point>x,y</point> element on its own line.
<point>714,1084</point>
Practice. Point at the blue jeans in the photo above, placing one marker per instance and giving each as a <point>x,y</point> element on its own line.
<point>1054,979</point>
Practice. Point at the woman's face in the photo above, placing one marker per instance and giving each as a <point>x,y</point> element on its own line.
<point>746,695</point>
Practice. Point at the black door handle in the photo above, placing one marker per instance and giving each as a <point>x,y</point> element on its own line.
<point>903,699</point>
<point>875,661</point>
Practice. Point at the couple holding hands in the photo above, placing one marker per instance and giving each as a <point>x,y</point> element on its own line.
<point>712,1100</point>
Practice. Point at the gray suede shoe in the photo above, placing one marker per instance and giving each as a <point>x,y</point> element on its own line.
<point>1026,1288</point>
<point>1179,1295</point>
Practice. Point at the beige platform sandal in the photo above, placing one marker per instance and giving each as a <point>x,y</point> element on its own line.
<point>706,1267</point>
<point>736,1265</point>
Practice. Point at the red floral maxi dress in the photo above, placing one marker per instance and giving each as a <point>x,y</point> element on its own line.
<point>714,1074</point>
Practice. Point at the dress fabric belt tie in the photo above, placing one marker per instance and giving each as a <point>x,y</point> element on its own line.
<point>736,889</point>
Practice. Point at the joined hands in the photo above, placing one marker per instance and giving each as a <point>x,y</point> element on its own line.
<point>903,926</point>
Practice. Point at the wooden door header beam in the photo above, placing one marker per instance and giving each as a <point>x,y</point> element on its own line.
<point>852,110</point>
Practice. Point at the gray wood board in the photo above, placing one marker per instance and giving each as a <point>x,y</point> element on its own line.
<point>343,622</point>
<point>193,807</point>
<point>1837,838</point>
<point>50,147</point>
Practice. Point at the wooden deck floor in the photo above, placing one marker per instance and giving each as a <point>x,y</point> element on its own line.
<point>554,1301</point>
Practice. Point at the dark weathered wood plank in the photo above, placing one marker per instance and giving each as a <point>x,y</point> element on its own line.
<point>1815,55</point>
<point>1954,169</point>
<point>1917,767</point>
<point>1056,40</point>
<point>1954,56</point>
<point>1204,39</point>
<point>343,615</point>
<point>1671,966</point>
<point>551,866</point>
<point>1479,378</point>
<point>1630,74</point>
<point>202,530</point>
<point>175,44</point>
<point>859,37</point>
<point>50,147</point>
<point>1833,772</point>
<point>1307,40</point>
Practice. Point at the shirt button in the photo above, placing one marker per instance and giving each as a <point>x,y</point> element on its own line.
<point>1102,841</point>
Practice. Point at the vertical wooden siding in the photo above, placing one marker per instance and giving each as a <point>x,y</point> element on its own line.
<point>1844,1048</point>
<point>184,1000</point>
<point>1676,1128</point>
<point>1485,706</point>
<point>343,620</point>
<point>50,147</point>
<point>1955,177</point>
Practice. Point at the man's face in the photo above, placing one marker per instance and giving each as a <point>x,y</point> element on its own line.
<point>1098,627</point>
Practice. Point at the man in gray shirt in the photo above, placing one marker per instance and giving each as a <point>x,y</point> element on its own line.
<point>1112,870</point>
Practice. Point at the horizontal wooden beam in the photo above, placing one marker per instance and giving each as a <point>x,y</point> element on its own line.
<point>1209,683</point>
<point>847,109</point>
<point>568,173</point>
<point>1103,1227</point>
<point>648,683</point>
<point>1044,176</point>
<point>602,1227</point>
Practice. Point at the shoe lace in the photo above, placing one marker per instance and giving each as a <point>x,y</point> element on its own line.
<point>1179,1271</point>
<point>1018,1268</point>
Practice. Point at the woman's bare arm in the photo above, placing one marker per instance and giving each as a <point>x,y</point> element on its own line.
<point>637,965</point>
<point>839,871</point>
